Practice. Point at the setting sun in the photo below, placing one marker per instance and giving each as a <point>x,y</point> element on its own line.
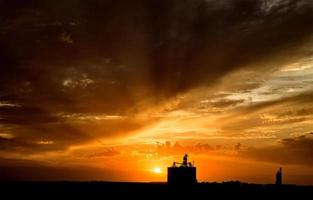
<point>157,170</point>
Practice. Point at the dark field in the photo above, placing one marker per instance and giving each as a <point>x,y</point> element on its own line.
<point>147,190</point>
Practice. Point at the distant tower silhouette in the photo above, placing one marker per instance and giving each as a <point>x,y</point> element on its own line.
<point>279,177</point>
<point>185,160</point>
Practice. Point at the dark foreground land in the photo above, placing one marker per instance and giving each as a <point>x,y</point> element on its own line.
<point>98,190</point>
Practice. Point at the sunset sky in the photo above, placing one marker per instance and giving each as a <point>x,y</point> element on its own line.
<point>117,90</point>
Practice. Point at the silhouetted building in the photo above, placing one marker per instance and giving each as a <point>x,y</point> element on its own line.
<point>279,177</point>
<point>182,173</point>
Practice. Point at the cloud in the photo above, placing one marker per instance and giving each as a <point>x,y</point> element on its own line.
<point>66,38</point>
<point>22,170</point>
<point>295,100</point>
<point>108,152</point>
<point>24,146</point>
<point>226,102</point>
<point>296,150</point>
<point>130,57</point>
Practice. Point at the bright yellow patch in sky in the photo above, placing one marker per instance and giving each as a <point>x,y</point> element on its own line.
<point>157,170</point>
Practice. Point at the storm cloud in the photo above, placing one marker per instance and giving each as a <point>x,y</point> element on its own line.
<point>296,151</point>
<point>72,72</point>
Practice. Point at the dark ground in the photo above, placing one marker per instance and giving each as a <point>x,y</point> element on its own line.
<point>91,190</point>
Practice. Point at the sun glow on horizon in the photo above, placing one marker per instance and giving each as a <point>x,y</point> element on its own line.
<point>157,170</point>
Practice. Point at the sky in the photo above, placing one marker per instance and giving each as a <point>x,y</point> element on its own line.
<point>118,90</point>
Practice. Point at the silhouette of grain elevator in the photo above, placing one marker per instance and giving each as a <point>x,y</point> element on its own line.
<point>182,173</point>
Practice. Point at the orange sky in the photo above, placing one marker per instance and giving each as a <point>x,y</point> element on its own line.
<point>112,90</point>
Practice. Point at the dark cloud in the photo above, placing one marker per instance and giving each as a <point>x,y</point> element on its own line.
<point>16,145</point>
<point>177,148</point>
<point>304,142</point>
<point>222,103</point>
<point>31,138</point>
<point>177,45</point>
<point>268,114</point>
<point>297,150</point>
<point>238,146</point>
<point>107,152</point>
<point>117,57</point>
<point>23,170</point>
<point>304,98</point>
<point>303,112</point>
<point>43,137</point>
